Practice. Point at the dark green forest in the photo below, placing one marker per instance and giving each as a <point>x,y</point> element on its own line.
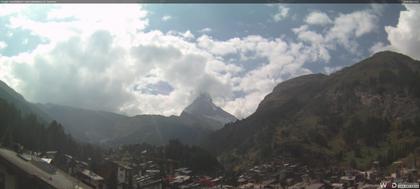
<point>26,130</point>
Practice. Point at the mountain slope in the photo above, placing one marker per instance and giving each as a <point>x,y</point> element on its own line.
<point>203,113</point>
<point>157,130</point>
<point>85,125</point>
<point>17,100</point>
<point>23,123</point>
<point>362,113</point>
<point>110,128</point>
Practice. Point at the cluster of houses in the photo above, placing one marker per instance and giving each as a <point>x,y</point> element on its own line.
<point>55,170</point>
<point>279,175</point>
<point>19,170</point>
<point>24,169</point>
<point>184,178</point>
<point>78,169</point>
<point>161,173</point>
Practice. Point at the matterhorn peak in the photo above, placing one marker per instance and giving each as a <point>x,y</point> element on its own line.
<point>204,108</point>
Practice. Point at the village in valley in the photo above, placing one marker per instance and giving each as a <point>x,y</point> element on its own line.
<point>148,168</point>
<point>204,94</point>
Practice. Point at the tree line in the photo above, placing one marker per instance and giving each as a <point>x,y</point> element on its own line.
<point>18,129</point>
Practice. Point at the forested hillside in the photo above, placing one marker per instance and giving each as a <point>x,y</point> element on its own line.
<point>369,111</point>
<point>31,133</point>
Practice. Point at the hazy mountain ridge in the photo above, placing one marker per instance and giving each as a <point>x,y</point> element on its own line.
<point>86,125</point>
<point>158,130</point>
<point>23,123</point>
<point>103,127</point>
<point>110,128</point>
<point>353,116</point>
<point>17,100</point>
<point>365,112</point>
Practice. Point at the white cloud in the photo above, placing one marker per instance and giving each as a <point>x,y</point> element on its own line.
<point>379,46</point>
<point>81,21</point>
<point>99,67</point>
<point>218,48</point>
<point>205,30</point>
<point>3,45</point>
<point>247,103</point>
<point>405,37</point>
<point>188,35</point>
<point>166,18</point>
<point>357,23</point>
<point>319,46</point>
<point>343,31</point>
<point>99,61</point>
<point>318,18</point>
<point>347,27</point>
<point>282,13</point>
<point>11,9</point>
<point>98,72</point>
<point>307,35</point>
<point>329,70</point>
<point>284,60</point>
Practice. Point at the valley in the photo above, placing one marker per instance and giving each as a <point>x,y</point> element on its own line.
<point>357,127</point>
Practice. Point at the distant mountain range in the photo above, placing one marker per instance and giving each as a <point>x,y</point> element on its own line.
<point>196,121</point>
<point>368,111</point>
<point>85,125</point>
<point>11,96</point>
<point>25,124</point>
<point>100,127</point>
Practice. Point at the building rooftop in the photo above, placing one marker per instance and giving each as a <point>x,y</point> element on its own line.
<point>92,175</point>
<point>123,165</point>
<point>56,179</point>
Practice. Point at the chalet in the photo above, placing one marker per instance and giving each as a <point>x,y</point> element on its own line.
<point>22,171</point>
<point>183,171</point>
<point>148,182</point>
<point>124,175</point>
<point>153,184</point>
<point>92,179</point>
<point>50,154</point>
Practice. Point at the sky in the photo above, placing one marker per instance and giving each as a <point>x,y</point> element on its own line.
<point>157,58</point>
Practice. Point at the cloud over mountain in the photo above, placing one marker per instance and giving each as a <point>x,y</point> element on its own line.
<point>405,37</point>
<point>124,64</point>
